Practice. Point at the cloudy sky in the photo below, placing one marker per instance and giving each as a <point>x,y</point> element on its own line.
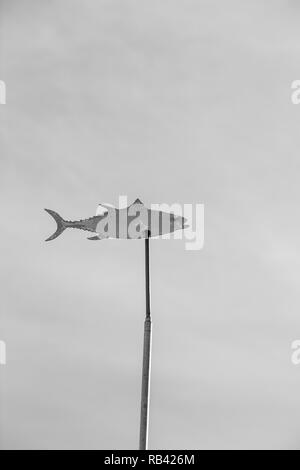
<point>169,101</point>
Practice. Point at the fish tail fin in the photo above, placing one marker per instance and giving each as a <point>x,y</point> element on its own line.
<point>61,224</point>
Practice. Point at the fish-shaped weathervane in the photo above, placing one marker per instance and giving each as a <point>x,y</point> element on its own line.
<point>132,222</point>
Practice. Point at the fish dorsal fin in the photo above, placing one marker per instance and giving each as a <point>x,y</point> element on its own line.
<point>137,202</point>
<point>104,208</point>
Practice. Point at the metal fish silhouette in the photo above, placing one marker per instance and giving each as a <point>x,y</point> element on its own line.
<point>133,222</point>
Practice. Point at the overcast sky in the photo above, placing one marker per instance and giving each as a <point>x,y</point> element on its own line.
<point>169,101</point>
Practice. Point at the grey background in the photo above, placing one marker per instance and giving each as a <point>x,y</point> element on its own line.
<point>170,101</point>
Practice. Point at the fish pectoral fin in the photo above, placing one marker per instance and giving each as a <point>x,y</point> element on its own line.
<point>98,237</point>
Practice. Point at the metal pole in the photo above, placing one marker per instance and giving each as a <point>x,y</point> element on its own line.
<point>146,358</point>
